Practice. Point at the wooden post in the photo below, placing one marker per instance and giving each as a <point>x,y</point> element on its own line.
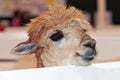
<point>101,21</point>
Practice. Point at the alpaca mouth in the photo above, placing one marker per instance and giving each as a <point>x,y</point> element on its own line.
<point>87,55</point>
<point>86,58</point>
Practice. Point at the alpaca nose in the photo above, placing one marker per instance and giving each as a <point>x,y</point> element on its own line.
<point>90,51</point>
<point>89,43</point>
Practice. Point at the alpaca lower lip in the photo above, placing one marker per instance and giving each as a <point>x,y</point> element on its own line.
<point>88,58</point>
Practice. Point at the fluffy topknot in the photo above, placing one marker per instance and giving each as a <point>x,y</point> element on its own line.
<point>55,15</point>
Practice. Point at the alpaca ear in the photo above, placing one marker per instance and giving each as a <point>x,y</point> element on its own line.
<point>25,48</point>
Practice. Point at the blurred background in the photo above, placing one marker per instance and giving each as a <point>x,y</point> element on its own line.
<point>104,16</point>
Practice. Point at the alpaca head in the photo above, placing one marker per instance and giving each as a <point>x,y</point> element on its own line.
<point>58,37</point>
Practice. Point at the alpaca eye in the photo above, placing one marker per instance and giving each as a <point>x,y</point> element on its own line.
<point>58,35</point>
<point>84,30</point>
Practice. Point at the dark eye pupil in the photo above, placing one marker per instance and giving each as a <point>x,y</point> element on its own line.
<point>57,36</point>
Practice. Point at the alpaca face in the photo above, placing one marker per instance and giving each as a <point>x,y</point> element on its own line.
<point>70,45</point>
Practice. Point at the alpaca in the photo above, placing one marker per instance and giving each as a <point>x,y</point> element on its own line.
<point>58,37</point>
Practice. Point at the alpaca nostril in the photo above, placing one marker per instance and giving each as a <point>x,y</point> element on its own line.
<point>89,43</point>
